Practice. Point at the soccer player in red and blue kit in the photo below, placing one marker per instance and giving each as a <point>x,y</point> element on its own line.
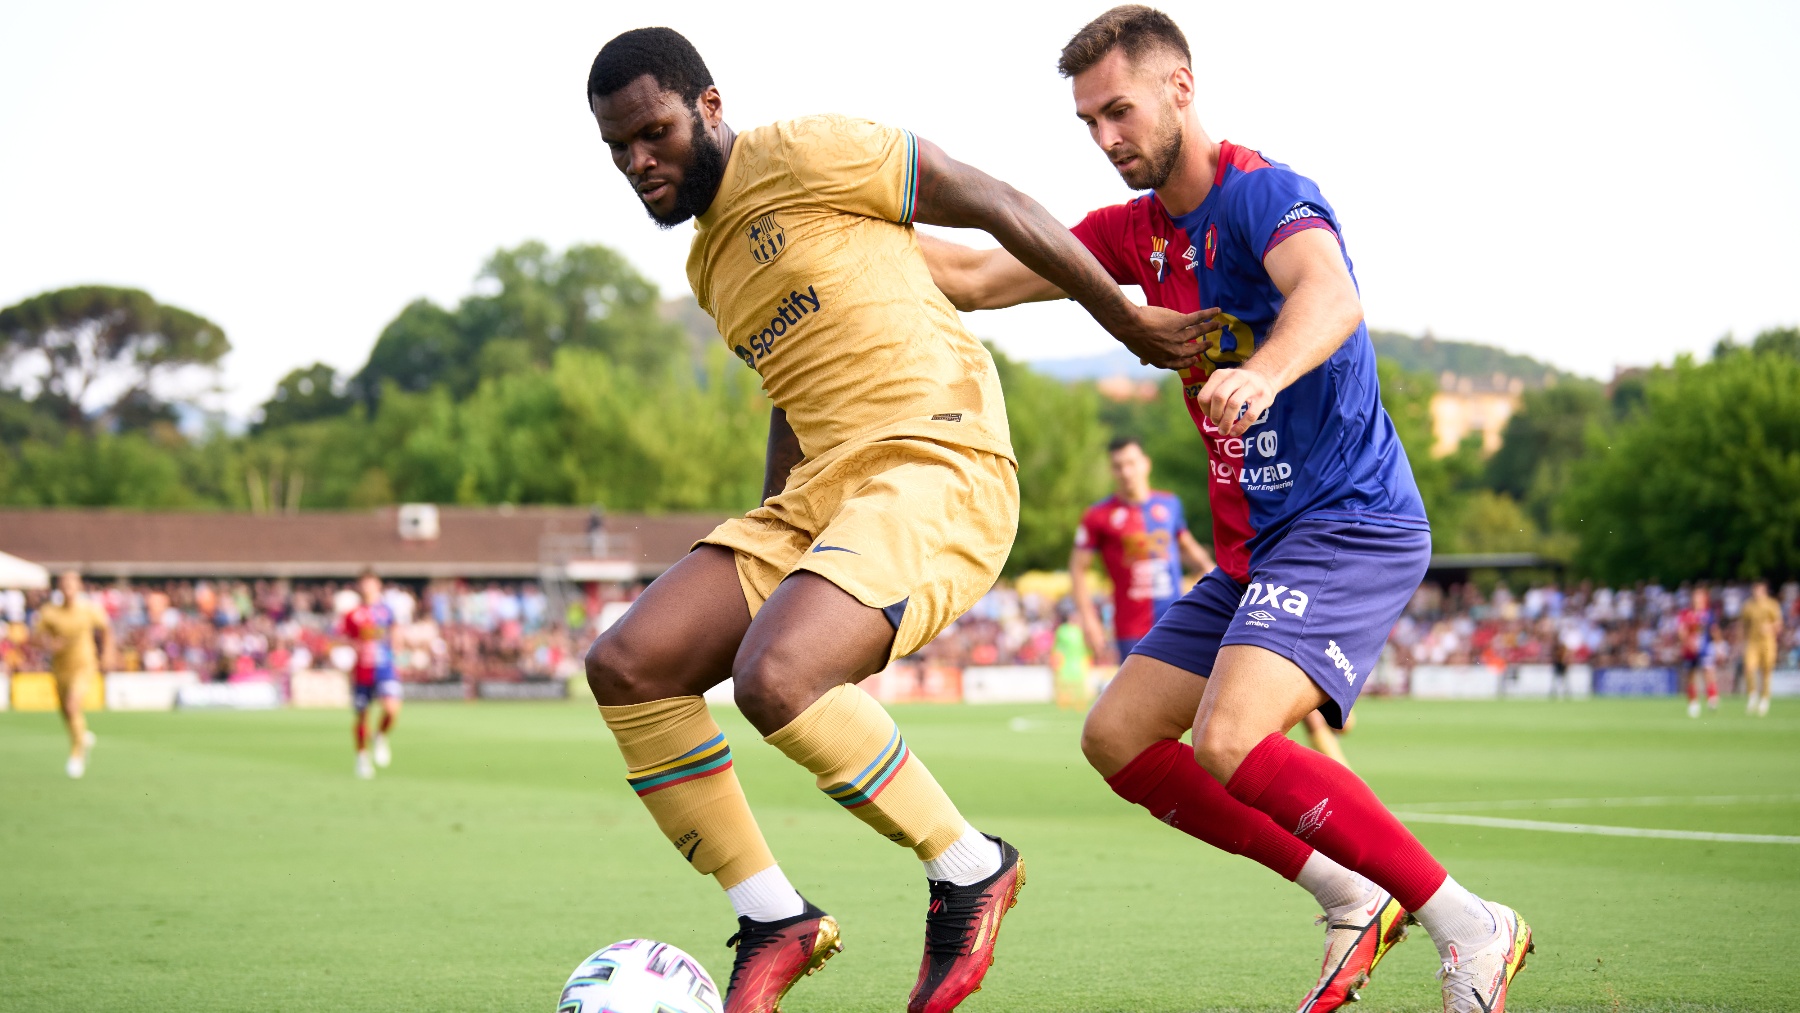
<point>370,629</point>
<point>1317,524</point>
<point>1142,538</point>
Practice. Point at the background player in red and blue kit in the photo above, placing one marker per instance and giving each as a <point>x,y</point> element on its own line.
<point>1318,526</point>
<point>1697,626</point>
<point>1142,538</point>
<point>370,629</point>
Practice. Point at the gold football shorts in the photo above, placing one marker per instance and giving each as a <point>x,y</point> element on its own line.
<point>1759,654</point>
<point>915,528</point>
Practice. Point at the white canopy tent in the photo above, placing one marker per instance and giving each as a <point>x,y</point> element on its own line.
<point>21,574</point>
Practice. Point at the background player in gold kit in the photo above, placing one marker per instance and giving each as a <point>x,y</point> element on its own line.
<point>890,499</point>
<point>1761,617</point>
<point>79,638</point>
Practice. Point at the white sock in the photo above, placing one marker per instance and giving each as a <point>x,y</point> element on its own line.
<point>1337,889</point>
<point>970,860</point>
<point>1456,918</point>
<point>766,897</point>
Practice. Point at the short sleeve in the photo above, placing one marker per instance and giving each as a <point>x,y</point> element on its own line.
<point>1084,539</point>
<point>1180,514</point>
<point>101,619</point>
<point>1276,200</point>
<point>1103,233</point>
<point>855,166</point>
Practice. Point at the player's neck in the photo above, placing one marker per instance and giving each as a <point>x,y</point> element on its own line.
<point>1135,497</point>
<point>1192,179</point>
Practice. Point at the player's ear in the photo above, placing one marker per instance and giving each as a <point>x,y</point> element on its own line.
<point>1181,86</point>
<point>711,106</point>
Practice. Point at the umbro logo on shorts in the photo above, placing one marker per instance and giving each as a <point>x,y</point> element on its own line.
<point>1264,616</point>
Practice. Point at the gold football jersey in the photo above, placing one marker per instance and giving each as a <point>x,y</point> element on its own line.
<point>807,262</point>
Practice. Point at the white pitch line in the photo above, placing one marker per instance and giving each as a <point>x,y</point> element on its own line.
<point>1594,829</point>
<point>1604,803</point>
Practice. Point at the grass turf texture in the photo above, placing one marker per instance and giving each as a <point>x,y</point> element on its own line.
<point>229,861</point>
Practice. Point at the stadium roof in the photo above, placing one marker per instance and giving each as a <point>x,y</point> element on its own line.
<point>502,543</point>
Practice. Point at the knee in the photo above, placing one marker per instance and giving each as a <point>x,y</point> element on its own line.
<point>616,674</point>
<point>759,692</point>
<point>1219,748</point>
<point>1105,743</point>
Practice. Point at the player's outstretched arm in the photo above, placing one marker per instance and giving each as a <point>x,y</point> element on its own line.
<point>784,454</point>
<point>983,279</point>
<point>960,196</point>
<point>1320,310</point>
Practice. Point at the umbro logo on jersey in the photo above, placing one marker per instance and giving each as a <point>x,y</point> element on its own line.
<point>767,239</point>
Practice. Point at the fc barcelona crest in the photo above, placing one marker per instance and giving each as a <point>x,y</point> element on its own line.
<point>767,240</point>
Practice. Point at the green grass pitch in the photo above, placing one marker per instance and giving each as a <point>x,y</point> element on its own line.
<point>230,861</point>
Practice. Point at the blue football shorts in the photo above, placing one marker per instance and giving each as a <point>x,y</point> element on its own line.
<point>1324,596</point>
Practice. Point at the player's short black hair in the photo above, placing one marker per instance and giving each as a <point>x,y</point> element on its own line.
<point>663,53</point>
<point>1119,443</point>
<point>1133,27</point>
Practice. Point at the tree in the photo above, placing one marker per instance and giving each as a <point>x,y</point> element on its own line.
<point>1061,448</point>
<point>305,394</point>
<point>94,342</point>
<point>589,297</point>
<point>1544,443</point>
<point>1774,341</point>
<point>1700,482</point>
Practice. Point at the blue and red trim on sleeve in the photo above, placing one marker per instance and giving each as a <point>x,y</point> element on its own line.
<point>1294,227</point>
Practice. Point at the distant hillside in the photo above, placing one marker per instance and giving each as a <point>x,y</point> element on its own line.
<point>1117,362</point>
<point>1464,358</point>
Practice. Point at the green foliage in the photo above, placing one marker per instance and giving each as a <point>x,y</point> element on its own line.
<point>1061,448</point>
<point>588,297</point>
<point>1703,481</point>
<point>1774,341</point>
<point>1543,445</point>
<point>313,392</point>
<point>1434,356</point>
<point>1163,427</point>
<point>93,339</point>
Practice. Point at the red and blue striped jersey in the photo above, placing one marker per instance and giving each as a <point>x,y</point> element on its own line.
<point>1326,447</point>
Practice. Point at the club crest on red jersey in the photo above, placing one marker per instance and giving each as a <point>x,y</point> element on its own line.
<point>767,239</point>
<point>1159,257</point>
<point>1212,245</point>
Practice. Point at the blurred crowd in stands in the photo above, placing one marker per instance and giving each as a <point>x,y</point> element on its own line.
<point>444,630</point>
<point>475,631</point>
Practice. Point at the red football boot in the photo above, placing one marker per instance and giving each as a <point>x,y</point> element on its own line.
<point>960,927</point>
<point>1353,946</point>
<point>773,956</point>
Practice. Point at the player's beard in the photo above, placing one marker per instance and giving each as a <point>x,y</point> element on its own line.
<point>700,179</point>
<point>1158,164</point>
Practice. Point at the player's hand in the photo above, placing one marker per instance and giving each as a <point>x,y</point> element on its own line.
<point>1167,339</point>
<point>1235,398</point>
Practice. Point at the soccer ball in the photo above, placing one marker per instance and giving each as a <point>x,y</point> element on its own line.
<point>640,976</point>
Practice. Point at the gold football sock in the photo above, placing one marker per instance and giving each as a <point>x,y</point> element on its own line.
<point>679,763</point>
<point>862,763</point>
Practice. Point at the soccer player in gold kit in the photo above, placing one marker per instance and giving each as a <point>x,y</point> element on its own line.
<point>890,497</point>
<point>71,628</point>
<point>1761,617</point>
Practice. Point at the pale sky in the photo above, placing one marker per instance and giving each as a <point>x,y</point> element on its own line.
<point>1590,183</point>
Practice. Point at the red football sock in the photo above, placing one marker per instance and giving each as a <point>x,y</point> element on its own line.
<point>362,736</point>
<point>1333,810</point>
<point>387,721</point>
<point>1165,780</point>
